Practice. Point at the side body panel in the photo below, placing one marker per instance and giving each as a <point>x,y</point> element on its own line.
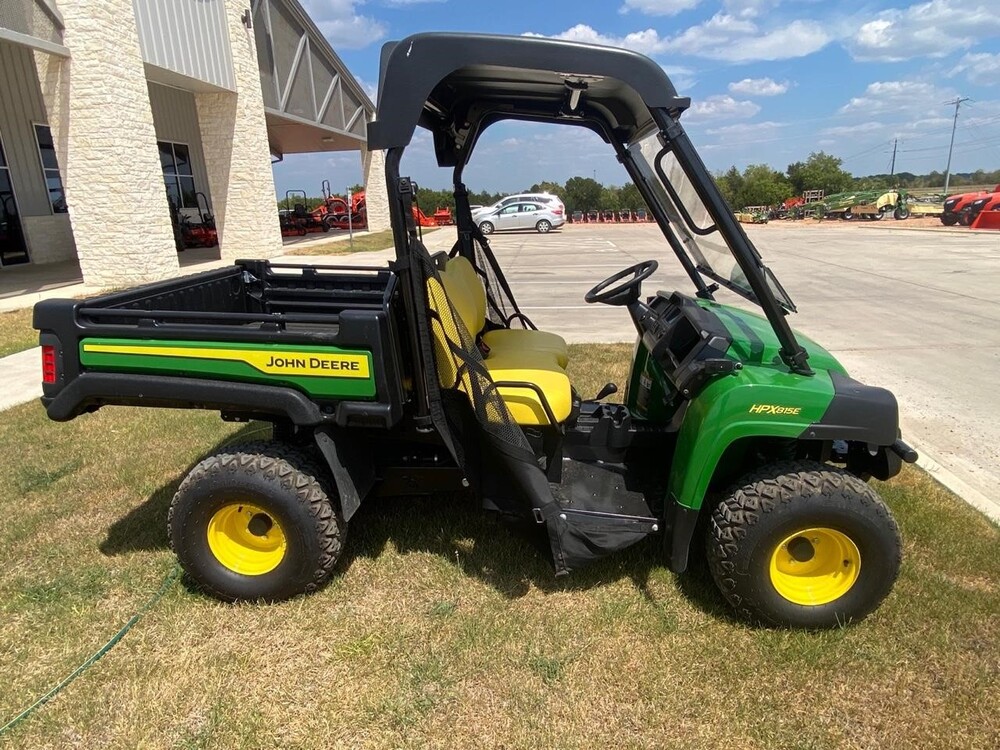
<point>319,371</point>
<point>756,402</point>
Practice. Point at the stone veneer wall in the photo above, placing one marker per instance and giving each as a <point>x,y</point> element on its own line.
<point>50,238</point>
<point>102,125</point>
<point>376,195</point>
<point>237,156</point>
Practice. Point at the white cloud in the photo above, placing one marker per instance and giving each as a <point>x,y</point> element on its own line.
<point>749,8</point>
<point>682,78</point>
<point>658,7</point>
<point>758,87</point>
<point>721,37</point>
<point>744,131</point>
<point>740,39</point>
<point>897,97</point>
<point>342,25</point>
<point>863,127</point>
<point>647,42</point>
<point>721,106</point>
<point>981,68</point>
<point>931,29</point>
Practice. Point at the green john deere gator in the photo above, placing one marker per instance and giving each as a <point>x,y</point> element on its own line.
<point>425,377</point>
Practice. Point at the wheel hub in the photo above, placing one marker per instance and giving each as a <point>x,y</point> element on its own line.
<point>246,539</point>
<point>815,566</point>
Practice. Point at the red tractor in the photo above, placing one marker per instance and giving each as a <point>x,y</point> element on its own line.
<point>957,207</point>
<point>987,214</point>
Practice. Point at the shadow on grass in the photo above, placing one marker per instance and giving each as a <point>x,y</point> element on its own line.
<point>511,558</point>
<point>144,528</point>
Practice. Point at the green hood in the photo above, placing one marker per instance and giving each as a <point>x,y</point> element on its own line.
<point>755,343</point>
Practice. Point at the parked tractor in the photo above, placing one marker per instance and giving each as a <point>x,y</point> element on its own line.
<point>955,205</point>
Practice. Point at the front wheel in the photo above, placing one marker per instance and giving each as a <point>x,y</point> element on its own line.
<point>256,522</point>
<point>848,215</point>
<point>543,226</point>
<point>803,544</point>
<point>966,219</point>
<point>901,213</point>
<point>486,227</point>
<point>949,219</point>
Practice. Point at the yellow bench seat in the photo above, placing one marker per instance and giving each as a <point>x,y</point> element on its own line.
<point>506,341</point>
<point>543,370</point>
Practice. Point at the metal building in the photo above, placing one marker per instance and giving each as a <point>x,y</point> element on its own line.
<point>114,114</point>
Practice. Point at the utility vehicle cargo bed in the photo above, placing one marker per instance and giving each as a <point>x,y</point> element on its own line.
<point>255,339</point>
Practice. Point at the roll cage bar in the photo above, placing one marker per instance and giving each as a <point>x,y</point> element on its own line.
<point>457,85</point>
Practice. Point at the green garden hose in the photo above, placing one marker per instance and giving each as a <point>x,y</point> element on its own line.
<point>172,576</point>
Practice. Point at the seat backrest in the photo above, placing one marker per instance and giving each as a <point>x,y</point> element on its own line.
<point>466,293</point>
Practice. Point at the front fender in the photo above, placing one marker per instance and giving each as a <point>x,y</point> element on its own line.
<point>753,402</point>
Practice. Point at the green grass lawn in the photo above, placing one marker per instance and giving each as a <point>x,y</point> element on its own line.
<point>16,333</point>
<point>442,629</point>
<point>362,243</point>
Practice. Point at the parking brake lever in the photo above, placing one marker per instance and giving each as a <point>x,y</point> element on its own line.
<point>606,391</point>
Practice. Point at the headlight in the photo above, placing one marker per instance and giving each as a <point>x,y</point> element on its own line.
<point>950,204</point>
<point>978,204</point>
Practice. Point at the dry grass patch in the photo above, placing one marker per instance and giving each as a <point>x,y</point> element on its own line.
<point>361,243</point>
<point>16,333</point>
<point>443,629</point>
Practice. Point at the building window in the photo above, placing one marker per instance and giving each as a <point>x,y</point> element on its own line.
<point>175,158</point>
<point>50,169</point>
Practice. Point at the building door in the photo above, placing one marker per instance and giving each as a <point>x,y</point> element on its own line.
<point>13,249</point>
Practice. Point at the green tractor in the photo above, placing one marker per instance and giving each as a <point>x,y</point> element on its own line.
<point>867,204</point>
<point>736,434</point>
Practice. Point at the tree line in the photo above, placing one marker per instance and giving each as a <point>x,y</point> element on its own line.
<point>756,185</point>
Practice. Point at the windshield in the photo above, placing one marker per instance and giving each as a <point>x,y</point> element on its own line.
<point>692,223</point>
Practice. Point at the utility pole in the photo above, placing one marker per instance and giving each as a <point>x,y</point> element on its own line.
<point>947,170</point>
<point>892,168</point>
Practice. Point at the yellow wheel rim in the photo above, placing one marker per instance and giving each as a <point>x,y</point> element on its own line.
<point>815,566</point>
<point>246,539</point>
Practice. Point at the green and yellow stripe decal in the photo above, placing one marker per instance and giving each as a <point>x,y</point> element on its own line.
<point>320,371</point>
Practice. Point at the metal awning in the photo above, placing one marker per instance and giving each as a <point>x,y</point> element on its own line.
<point>33,23</point>
<point>311,101</point>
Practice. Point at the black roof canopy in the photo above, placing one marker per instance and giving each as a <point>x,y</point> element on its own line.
<point>457,84</point>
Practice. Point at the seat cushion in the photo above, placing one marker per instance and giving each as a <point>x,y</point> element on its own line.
<point>511,341</point>
<point>539,368</point>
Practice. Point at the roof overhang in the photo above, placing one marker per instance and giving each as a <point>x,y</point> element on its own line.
<point>311,101</point>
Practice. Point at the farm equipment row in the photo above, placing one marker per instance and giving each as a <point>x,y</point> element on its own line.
<point>609,216</point>
<point>974,209</point>
<point>333,212</point>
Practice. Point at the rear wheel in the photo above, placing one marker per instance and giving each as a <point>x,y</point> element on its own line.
<point>543,226</point>
<point>881,213</point>
<point>848,215</point>
<point>900,213</point>
<point>486,227</point>
<point>256,522</point>
<point>802,544</point>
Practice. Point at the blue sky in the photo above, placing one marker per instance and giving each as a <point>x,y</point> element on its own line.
<point>770,81</point>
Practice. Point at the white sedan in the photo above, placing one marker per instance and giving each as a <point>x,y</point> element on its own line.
<point>538,216</point>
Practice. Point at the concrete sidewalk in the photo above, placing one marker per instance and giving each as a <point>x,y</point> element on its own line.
<point>21,375</point>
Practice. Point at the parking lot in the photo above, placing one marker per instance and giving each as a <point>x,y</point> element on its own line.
<point>914,311</point>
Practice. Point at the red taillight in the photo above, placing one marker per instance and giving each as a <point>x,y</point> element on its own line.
<point>48,364</point>
<point>557,211</point>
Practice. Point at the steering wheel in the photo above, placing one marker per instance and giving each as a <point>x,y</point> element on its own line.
<point>626,292</point>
